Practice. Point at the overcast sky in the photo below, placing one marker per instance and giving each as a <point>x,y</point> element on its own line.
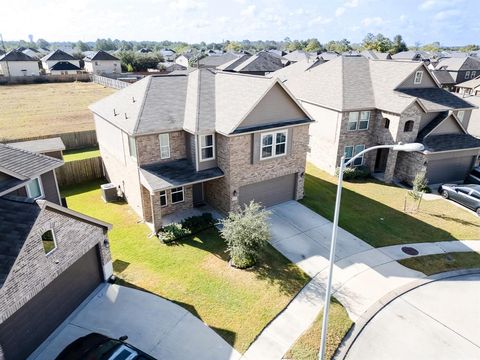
<point>452,22</point>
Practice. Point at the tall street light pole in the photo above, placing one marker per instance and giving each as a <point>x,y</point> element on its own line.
<point>411,147</point>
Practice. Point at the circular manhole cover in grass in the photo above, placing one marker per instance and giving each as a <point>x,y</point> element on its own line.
<point>409,250</point>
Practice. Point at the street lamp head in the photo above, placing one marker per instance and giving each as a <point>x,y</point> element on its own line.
<point>409,147</point>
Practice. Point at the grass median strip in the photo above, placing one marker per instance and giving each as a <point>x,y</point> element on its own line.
<point>434,264</point>
<point>195,273</point>
<point>308,345</point>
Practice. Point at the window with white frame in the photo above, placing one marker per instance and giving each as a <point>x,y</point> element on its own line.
<point>35,189</point>
<point>364,120</point>
<point>48,241</point>
<point>461,115</point>
<point>163,198</point>
<point>418,77</point>
<point>352,121</point>
<point>207,147</point>
<point>177,195</point>
<point>164,146</point>
<point>358,120</point>
<point>351,151</point>
<point>273,144</point>
<point>467,74</point>
<point>472,74</point>
<point>132,147</point>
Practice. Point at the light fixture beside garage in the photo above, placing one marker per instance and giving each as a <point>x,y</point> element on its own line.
<point>235,195</point>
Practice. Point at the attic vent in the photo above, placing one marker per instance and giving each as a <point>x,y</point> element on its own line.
<point>126,117</point>
<point>114,112</point>
<point>133,99</point>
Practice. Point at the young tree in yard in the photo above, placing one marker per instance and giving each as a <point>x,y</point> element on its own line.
<point>246,232</point>
<point>420,187</point>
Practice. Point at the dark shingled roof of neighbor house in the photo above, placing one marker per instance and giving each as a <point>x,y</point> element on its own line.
<point>64,65</point>
<point>15,55</point>
<point>446,142</point>
<point>58,55</point>
<point>17,217</point>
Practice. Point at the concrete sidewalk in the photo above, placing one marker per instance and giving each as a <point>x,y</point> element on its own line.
<point>362,274</point>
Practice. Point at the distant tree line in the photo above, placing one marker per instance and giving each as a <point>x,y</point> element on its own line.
<point>377,42</point>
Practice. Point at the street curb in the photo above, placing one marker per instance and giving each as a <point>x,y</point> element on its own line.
<point>363,320</point>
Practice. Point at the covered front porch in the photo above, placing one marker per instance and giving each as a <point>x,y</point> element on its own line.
<point>174,190</point>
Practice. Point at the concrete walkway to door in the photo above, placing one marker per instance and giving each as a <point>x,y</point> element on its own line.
<point>362,274</point>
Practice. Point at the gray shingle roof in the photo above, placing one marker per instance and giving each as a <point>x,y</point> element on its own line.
<point>446,142</point>
<point>64,65</point>
<point>15,55</point>
<point>436,99</point>
<point>217,60</point>
<point>41,145</point>
<point>261,62</point>
<point>232,64</point>
<point>58,55</point>
<point>23,164</point>
<point>432,125</point>
<point>100,55</point>
<point>470,84</point>
<point>297,55</point>
<point>351,83</point>
<point>161,176</point>
<point>16,220</point>
<point>147,106</point>
<point>443,77</point>
<point>200,101</point>
<point>375,55</point>
<point>459,64</point>
<point>411,55</point>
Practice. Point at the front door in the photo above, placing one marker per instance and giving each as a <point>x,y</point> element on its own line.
<point>198,194</point>
<point>381,160</point>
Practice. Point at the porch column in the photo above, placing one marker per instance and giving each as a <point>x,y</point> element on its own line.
<point>156,211</point>
<point>390,168</point>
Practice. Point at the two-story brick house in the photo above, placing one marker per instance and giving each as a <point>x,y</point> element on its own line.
<point>358,103</point>
<point>175,142</point>
<point>51,258</point>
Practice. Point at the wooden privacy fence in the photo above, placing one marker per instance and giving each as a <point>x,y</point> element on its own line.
<point>79,171</point>
<point>72,140</point>
<point>39,79</point>
<point>108,82</point>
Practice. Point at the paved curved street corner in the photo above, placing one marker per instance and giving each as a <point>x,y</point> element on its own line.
<point>153,324</point>
<point>429,322</point>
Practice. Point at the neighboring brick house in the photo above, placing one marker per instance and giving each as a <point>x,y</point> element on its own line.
<point>51,258</point>
<point>175,142</point>
<point>358,103</point>
<point>461,69</point>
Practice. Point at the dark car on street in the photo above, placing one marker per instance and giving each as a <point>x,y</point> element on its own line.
<point>100,347</point>
<point>467,195</point>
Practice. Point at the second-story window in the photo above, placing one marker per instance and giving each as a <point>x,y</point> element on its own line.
<point>418,77</point>
<point>386,123</point>
<point>34,189</point>
<point>273,144</point>
<point>132,147</point>
<point>472,74</point>
<point>207,147</point>
<point>461,115</point>
<point>364,120</point>
<point>467,74</point>
<point>164,146</point>
<point>358,120</point>
<point>49,242</point>
<point>408,126</point>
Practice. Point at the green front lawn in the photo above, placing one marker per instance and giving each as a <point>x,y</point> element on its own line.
<point>308,345</point>
<point>195,274</point>
<point>434,264</point>
<point>373,211</point>
<point>80,154</point>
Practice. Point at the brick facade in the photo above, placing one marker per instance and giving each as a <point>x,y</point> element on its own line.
<point>148,148</point>
<point>33,270</point>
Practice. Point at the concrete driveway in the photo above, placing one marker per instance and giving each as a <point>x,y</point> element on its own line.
<point>152,324</point>
<point>436,321</point>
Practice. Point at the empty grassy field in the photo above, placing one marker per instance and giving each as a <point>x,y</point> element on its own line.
<point>45,109</point>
